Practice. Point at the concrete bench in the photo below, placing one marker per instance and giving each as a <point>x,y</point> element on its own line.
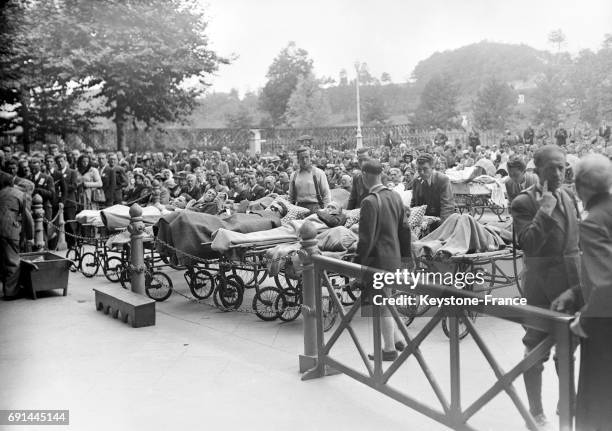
<point>125,305</point>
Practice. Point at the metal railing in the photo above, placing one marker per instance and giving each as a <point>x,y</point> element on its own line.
<point>317,360</point>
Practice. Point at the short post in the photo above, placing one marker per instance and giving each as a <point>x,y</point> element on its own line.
<point>137,266</point>
<point>61,235</point>
<point>39,213</point>
<point>156,192</point>
<point>308,242</point>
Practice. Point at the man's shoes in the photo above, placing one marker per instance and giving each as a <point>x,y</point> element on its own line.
<point>386,356</point>
<point>541,422</point>
<point>400,346</point>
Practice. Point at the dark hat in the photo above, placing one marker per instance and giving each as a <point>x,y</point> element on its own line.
<point>304,138</point>
<point>372,166</point>
<point>302,150</point>
<point>139,174</point>
<point>425,158</point>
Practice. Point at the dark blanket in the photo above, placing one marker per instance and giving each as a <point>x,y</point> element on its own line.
<point>187,230</point>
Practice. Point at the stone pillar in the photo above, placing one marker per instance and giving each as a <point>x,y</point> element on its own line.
<point>255,142</point>
<point>61,235</point>
<point>38,214</point>
<point>137,266</point>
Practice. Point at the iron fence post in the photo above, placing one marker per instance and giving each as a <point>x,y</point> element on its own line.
<point>565,358</point>
<point>308,242</point>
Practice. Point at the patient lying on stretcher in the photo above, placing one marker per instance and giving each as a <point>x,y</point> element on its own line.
<point>332,215</point>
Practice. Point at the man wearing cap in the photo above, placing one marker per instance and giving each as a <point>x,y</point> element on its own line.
<point>433,189</point>
<point>308,187</point>
<point>384,243</point>
<point>358,190</point>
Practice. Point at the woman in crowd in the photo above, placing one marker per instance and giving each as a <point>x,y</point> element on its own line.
<point>88,180</point>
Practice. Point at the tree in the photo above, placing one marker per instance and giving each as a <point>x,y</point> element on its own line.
<point>557,37</point>
<point>375,110</point>
<point>308,106</point>
<point>283,75</point>
<point>241,119</point>
<point>547,99</point>
<point>438,105</point>
<point>40,81</point>
<point>140,52</point>
<point>493,105</point>
<point>385,78</point>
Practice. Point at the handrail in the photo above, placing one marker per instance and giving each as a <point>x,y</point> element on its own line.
<point>317,362</point>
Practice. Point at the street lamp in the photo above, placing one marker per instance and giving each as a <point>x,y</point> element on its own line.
<point>359,137</point>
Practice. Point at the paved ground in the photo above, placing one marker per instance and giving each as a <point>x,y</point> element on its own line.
<point>198,367</point>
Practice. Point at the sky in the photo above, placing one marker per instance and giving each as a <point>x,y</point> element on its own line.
<point>389,35</point>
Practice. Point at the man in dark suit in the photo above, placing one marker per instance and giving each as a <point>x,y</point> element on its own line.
<point>593,323</point>
<point>113,180</point>
<point>546,224</point>
<point>253,190</point>
<point>358,189</point>
<point>15,220</point>
<point>384,242</point>
<point>69,198</point>
<point>604,132</point>
<point>432,189</point>
<point>561,135</point>
<point>43,186</point>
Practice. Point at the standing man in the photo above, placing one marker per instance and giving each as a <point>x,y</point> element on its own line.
<point>561,135</point>
<point>384,243</point>
<point>433,189</point>
<point>308,187</point>
<point>14,216</point>
<point>604,132</point>
<point>69,199</point>
<point>114,180</point>
<point>593,323</point>
<point>358,190</point>
<point>528,135</point>
<point>546,224</point>
<point>43,186</point>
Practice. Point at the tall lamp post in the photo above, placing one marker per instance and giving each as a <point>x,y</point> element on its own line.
<point>359,137</point>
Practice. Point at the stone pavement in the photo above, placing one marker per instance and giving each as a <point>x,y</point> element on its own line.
<point>199,368</point>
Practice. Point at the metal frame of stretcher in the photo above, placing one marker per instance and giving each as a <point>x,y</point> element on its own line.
<point>476,203</point>
<point>495,277</point>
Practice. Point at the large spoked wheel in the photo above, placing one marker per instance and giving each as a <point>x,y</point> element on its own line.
<point>73,257</point>
<point>263,303</point>
<point>477,211</point>
<point>463,330</point>
<point>329,312</point>
<point>229,295</point>
<point>252,271</point>
<point>113,269</point>
<point>201,284</point>
<point>289,305</point>
<point>125,278</point>
<point>158,286</point>
<point>89,264</point>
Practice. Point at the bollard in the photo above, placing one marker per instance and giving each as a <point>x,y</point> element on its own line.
<point>137,266</point>
<point>156,192</point>
<point>61,235</point>
<point>308,242</point>
<point>39,213</point>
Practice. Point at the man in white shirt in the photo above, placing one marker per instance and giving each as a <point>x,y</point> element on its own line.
<point>308,187</point>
